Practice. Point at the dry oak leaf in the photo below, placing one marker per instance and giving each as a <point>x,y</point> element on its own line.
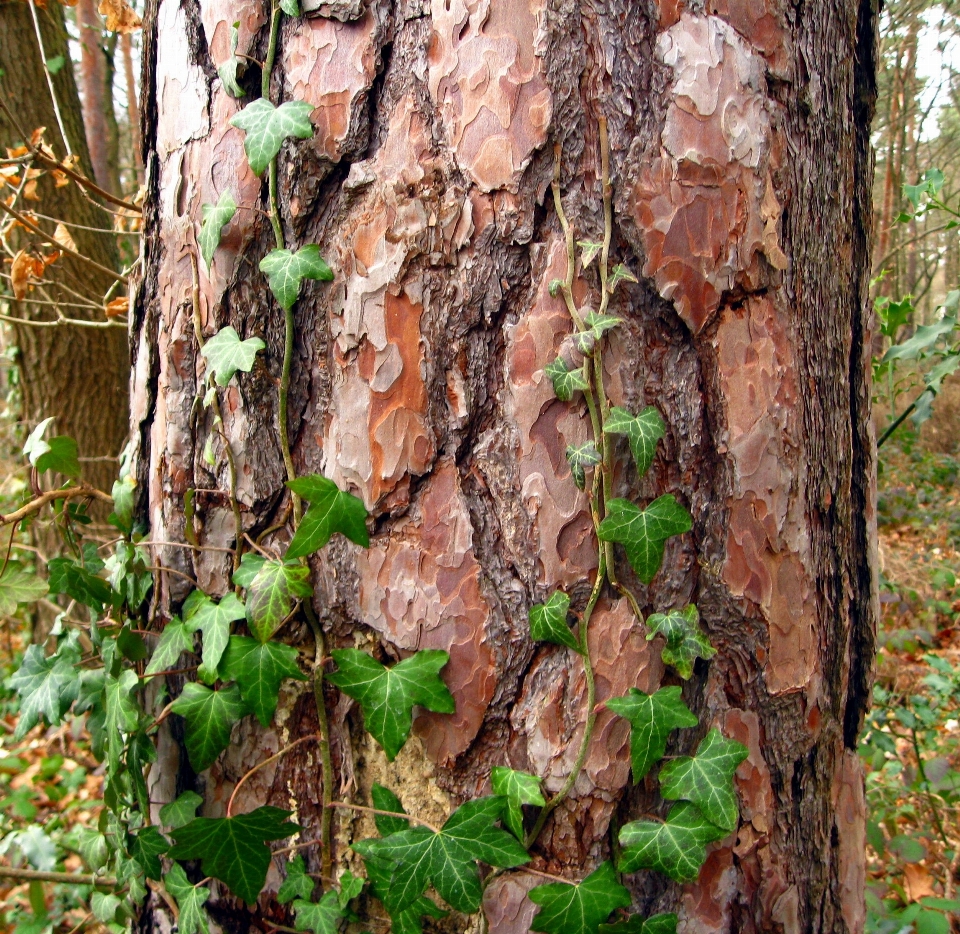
<point>120,16</point>
<point>62,236</point>
<point>23,267</point>
<point>918,882</point>
<point>117,307</point>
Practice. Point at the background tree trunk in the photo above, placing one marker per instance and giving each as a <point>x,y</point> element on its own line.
<point>741,170</point>
<point>78,374</point>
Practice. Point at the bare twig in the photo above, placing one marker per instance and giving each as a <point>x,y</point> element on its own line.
<point>36,504</point>
<point>68,878</point>
<point>266,762</point>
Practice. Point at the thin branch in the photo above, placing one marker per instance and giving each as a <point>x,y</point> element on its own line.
<point>35,505</point>
<point>49,77</point>
<point>61,322</point>
<point>266,762</point>
<point>366,810</point>
<point>68,878</point>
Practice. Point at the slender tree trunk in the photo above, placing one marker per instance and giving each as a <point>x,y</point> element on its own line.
<point>741,170</point>
<point>133,108</point>
<point>96,87</point>
<point>78,374</point>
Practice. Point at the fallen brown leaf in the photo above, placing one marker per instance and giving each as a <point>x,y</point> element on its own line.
<point>62,236</point>
<point>918,882</point>
<point>120,16</point>
<point>117,307</point>
<point>20,271</point>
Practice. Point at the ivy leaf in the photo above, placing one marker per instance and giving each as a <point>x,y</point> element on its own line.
<point>217,216</point>
<point>175,639</point>
<point>579,909</point>
<point>297,884</point>
<point>214,620</point>
<point>676,847</point>
<point>548,621</point>
<point>122,714</point>
<point>190,900</point>
<point>388,695</point>
<point>233,849</point>
<point>643,532</point>
<point>210,717</point>
<point>228,70</point>
<point>448,858</point>
<point>350,887</point>
<point>266,128</point>
<point>658,924</point>
<point>250,565</point>
<point>290,7</point>
<point>258,668</point>
<point>181,810</point>
<point>565,381</point>
<point>19,586</point>
<point>331,510</point>
<point>271,596</point>
<point>652,718</point>
<point>35,446</point>
<point>518,788</point>
<point>599,324</point>
<point>67,576</point>
<point>579,459</point>
<point>643,431</point>
<point>321,917</point>
<point>286,270</point>
<point>589,250</point>
<point>385,800</point>
<point>47,687</point>
<point>686,641</point>
<point>59,453</point>
<point>146,846</point>
<point>706,779</point>
<point>226,353</point>
<point>620,274</point>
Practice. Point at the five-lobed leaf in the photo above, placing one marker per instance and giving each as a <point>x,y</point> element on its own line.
<point>566,381</point>
<point>642,532</point>
<point>677,847</point>
<point>47,686</point>
<point>233,849</point>
<point>214,620</point>
<point>259,668</point>
<point>518,788</point>
<point>266,127</point>
<point>686,641</point>
<point>298,884</point>
<point>175,639</point>
<point>579,909</point>
<point>331,511</point>
<point>271,596</point>
<point>388,695</point>
<point>226,353</point>
<point>216,217</point>
<point>19,586</point>
<point>548,621</point>
<point>652,718</point>
<point>210,717</point>
<point>706,779</point>
<point>181,810</point>
<point>285,271</point>
<point>190,900</point>
<point>643,431</point>
<point>146,846</point>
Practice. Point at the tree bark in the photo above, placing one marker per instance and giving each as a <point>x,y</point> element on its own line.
<point>78,374</point>
<point>741,170</point>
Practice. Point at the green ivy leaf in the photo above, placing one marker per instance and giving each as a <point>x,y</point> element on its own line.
<point>706,779</point>
<point>271,596</point>
<point>226,353</point>
<point>581,458</point>
<point>122,714</point>
<point>210,717</point>
<point>181,810</point>
<point>67,576</point>
<point>321,917</point>
<point>214,620</point>
<point>290,7</point>
<point>297,884</point>
<point>643,431</point>
<point>652,718</point>
<point>47,686</point>
<point>331,510</point>
<point>448,858</point>
<point>190,900</point>
<point>250,565</point>
<point>676,847</point>
<point>59,453</point>
<point>518,788</point>
<point>228,70</point>
<point>350,887</point>
<point>258,668</point>
<point>385,800</point>
<point>599,324</point>
<point>146,846</point>
<point>175,639</point>
<point>589,250</point>
<point>104,906</point>
<point>565,381</point>
<point>286,270</point>
<point>130,644</point>
<point>19,586</point>
<point>643,532</point>
<point>658,924</point>
<point>579,909</point>
<point>266,128</point>
<point>217,216</point>
<point>548,621</point>
<point>620,274</point>
<point>388,695</point>
<point>686,641</point>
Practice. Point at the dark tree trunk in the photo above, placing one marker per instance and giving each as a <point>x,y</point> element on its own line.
<point>741,169</point>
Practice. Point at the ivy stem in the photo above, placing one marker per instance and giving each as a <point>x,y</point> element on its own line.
<point>267,72</point>
<point>265,763</point>
<point>363,808</point>
<point>67,878</point>
<point>326,762</point>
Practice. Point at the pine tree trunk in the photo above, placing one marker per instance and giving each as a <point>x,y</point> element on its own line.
<point>741,170</point>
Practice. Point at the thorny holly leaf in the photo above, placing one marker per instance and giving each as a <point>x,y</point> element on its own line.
<point>19,586</point>
<point>548,621</point>
<point>686,641</point>
<point>321,917</point>
<point>676,847</point>
<point>258,668</point>
<point>518,788</point>
<point>210,717</point>
<point>565,381</point>
<point>706,779</point>
<point>226,353</point>
<point>297,884</point>
<point>286,270</point>
<point>190,900</point>
<point>216,216</point>
<point>643,431</point>
<point>388,695</point>
<point>181,810</point>
<point>213,619</point>
<point>228,73</point>
<point>175,639</point>
<point>271,596</point>
<point>643,532</point>
<point>652,717</point>
<point>233,849</point>
<point>448,858</point>
<point>658,924</point>
<point>47,686</point>
<point>579,459</point>
<point>579,909</point>
<point>331,510</point>
<point>266,128</point>
<point>146,846</point>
